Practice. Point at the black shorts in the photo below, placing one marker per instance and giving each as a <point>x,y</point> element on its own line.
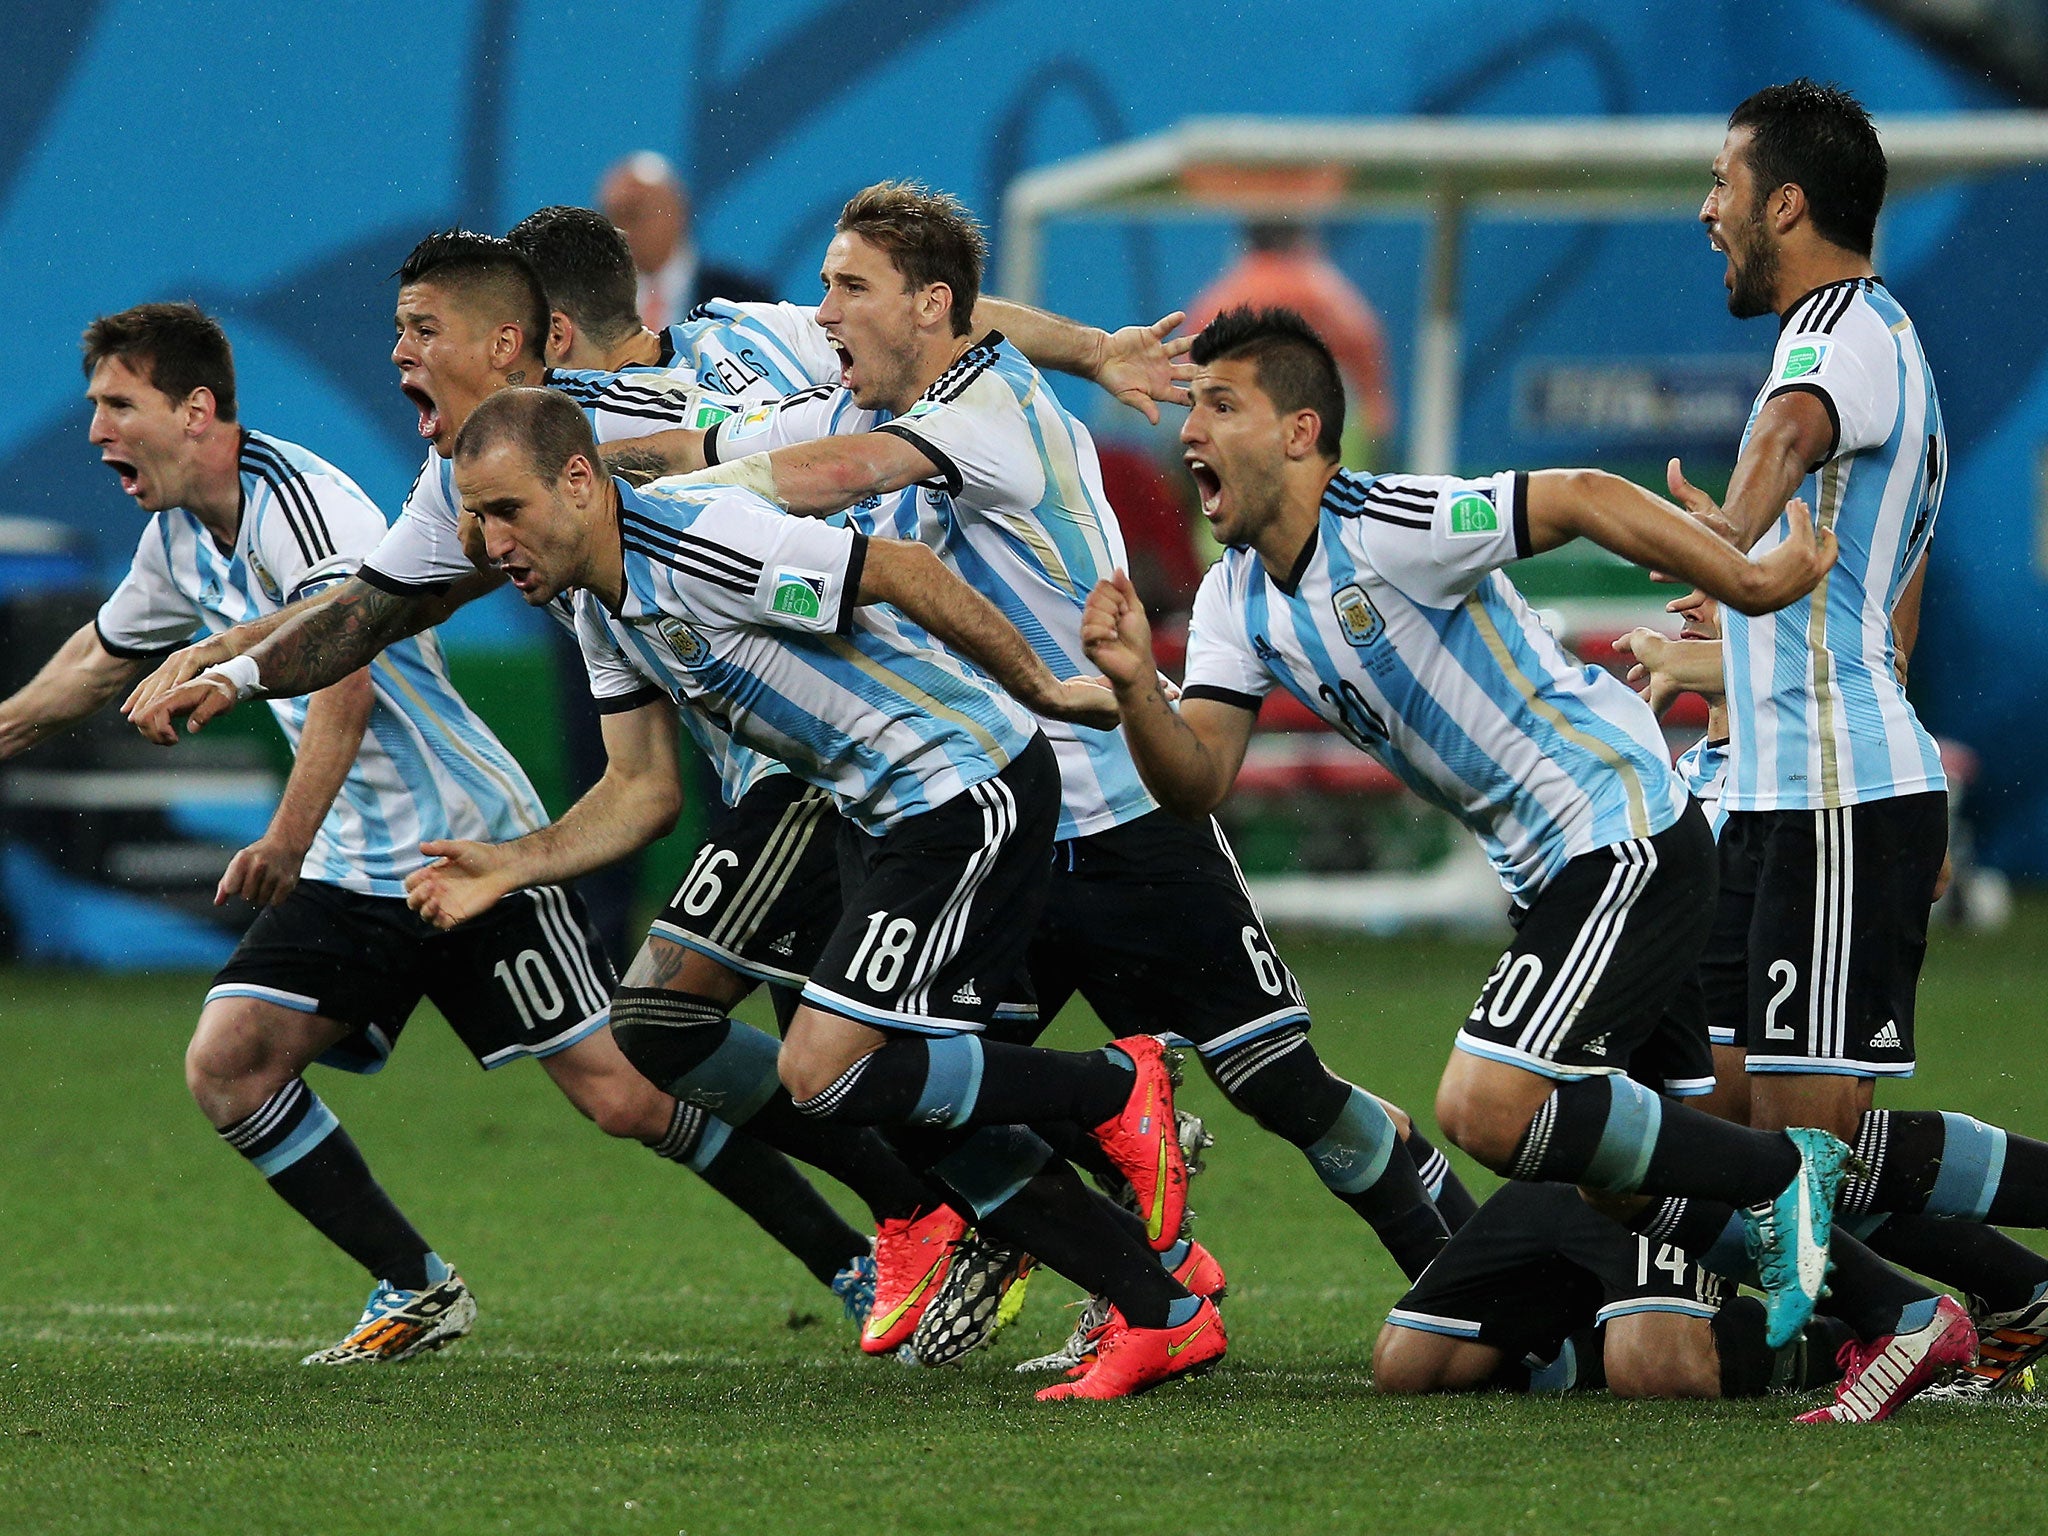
<point>1834,904</point>
<point>527,978</point>
<point>1602,967</point>
<point>762,894</point>
<point>939,911</point>
<point>1152,924</point>
<point>1536,1265</point>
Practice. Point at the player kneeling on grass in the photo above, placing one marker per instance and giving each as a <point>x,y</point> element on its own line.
<point>707,598</point>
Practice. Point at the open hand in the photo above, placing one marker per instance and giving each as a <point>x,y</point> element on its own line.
<point>202,699</point>
<point>1141,365</point>
<point>464,880</point>
<point>177,668</point>
<point>1792,569</point>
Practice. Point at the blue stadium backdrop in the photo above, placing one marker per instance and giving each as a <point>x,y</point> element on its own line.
<point>275,163</point>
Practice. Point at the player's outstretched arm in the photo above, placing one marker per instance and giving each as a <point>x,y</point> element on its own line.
<point>82,677</point>
<point>826,474</point>
<point>1619,515</point>
<point>1141,365</point>
<point>676,451</point>
<point>635,803</point>
<point>910,577</point>
<point>319,645</point>
<point>183,665</point>
<point>1793,434</point>
<point>267,871</point>
<point>1188,757</point>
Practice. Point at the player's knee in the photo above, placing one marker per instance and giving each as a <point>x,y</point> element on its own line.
<point>1476,1129</point>
<point>805,1073</point>
<point>1407,1362</point>
<point>225,1049</point>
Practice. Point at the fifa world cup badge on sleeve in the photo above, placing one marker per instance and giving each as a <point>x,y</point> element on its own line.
<point>1473,514</point>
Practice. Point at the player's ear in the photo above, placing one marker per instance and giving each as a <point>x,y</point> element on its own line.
<point>934,303</point>
<point>1304,430</point>
<point>561,336</point>
<point>1787,206</point>
<point>200,410</point>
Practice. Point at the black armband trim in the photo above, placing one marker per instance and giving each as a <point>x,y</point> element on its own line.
<point>948,472</point>
<point>621,703</point>
<point>1807,387</point>
<point>391,584</point>
<point>849,589</point>
<point>1222,696</point>
<point>711,441</point>
<point>129,652</point>
<point>1521,514</point>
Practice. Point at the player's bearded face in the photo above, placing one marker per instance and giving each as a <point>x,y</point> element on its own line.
<point>1234,447</point>
<point>140,433</point>
<point>1752,264</point>
<point>529,529</point>
<point>869,316</point>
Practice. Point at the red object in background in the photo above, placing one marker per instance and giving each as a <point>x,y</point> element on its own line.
<point>1155,527</point>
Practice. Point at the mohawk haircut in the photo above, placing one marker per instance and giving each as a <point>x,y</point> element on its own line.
<point>930,237</point>
<point>545,424</point>
<point>1294,367</point>
<point>489,273</point>
<point>1820,139</point>
<point>177,347</point>
<point>585,266</point>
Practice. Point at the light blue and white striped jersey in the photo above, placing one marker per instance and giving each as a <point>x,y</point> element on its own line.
<point>735,611</point>
<point>1817,718</point>
<point>1016,508</point>
<point>754,352</point>
<point>428,767</point>
<point>1704,768</point>
<point>423,551</point>
<point>1398,629</point>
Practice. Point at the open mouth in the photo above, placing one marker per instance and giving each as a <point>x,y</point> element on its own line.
<point>845,364</point>
<point>430,413</point>
<point>130,480</point>
<point>1208,484</point>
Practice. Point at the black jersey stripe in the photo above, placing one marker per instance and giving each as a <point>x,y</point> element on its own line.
<point>968,367</point>
<point>689,545</point>
<point>294,498</point>
<point>687,566</point>
<point>1420,502</point>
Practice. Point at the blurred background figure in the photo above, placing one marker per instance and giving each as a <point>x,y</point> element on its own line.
<point>1284,265</point>
<point>647,200</point>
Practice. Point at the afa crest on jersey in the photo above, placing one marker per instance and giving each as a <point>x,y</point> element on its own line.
<point>1362,622</point>
<point>264,579</point>
<point>691,648</point>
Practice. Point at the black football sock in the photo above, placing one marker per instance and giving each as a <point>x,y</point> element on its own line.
<point>1869,1295</point>
<point>297,1144</point>
<point>685,1045</point>
<point>1965,1255</point>
<point>1709,1232</point>
<point>1612,1133</point>
<point>1454,1201</point>
<point>1080,1235</point>
<point>766,1185</point>
<point>954,1081</point>
<point>1344,1132</point>
<point>1926,1162</point>
<point>1750,1367</point>
<point>858,1156</point>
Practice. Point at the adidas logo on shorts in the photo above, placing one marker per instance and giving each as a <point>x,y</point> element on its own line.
<point>1597,1046</point>
<point>967,994</point>
<point>1887,1039</point>
<point>786,945</point>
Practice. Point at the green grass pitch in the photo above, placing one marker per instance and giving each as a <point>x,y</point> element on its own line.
<point>646,1362</point>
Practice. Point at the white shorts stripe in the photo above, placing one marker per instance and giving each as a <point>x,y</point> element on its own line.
<point>949,929</point>
<point>1635,865</point>
<point>572,959</point>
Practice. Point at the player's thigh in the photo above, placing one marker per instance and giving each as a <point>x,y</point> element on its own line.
<point>761,896</point>
<point>1408,1361</point>
<point>527,978</point>
<point>325,964</point>
<point>1662,1355</point>
<point>245,1049</point>
<point>668,966</point>
<point>937,923</point>
<point>1656,1311</point>
<point>1731,1098</point>
<point>1599,959</point>
<point>1161,934</point>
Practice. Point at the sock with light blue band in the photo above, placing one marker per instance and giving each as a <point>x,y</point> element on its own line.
<point>952,1083</point>
<point>1353,1154</point>
<point>992,1165</point>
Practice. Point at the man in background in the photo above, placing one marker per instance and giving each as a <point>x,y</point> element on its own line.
<point>647,200</point>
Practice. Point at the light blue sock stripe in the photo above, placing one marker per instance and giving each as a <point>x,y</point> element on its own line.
<point>737,1078</point>
<point>318,1125</point>
<point>1861,1227</point>
<point>710,1142</point>
<point>1561,1375</point>
<point>952,1081</point>
<point>1354,1152</point>
<point>1972,1161</point>
<point>992,1165</point>
<point>1634,1116</point>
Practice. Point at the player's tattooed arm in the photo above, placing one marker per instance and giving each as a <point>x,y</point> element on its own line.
<point>636,802</point>
<point>910,577</point>
<point>321,644</point>
<point>1189,756</point>
<point>1141,365</point>
<point>677,451</point>
<point>182,666</point>
<point>81,678</point>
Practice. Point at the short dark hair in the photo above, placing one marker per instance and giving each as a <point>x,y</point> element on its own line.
<point>485,268</point>
<point>1294,367</point>
<point>177,347</point>
<point>930,237</point>
<point>546,423</point>
<point>586,267</point>
<point>1819,138</point>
